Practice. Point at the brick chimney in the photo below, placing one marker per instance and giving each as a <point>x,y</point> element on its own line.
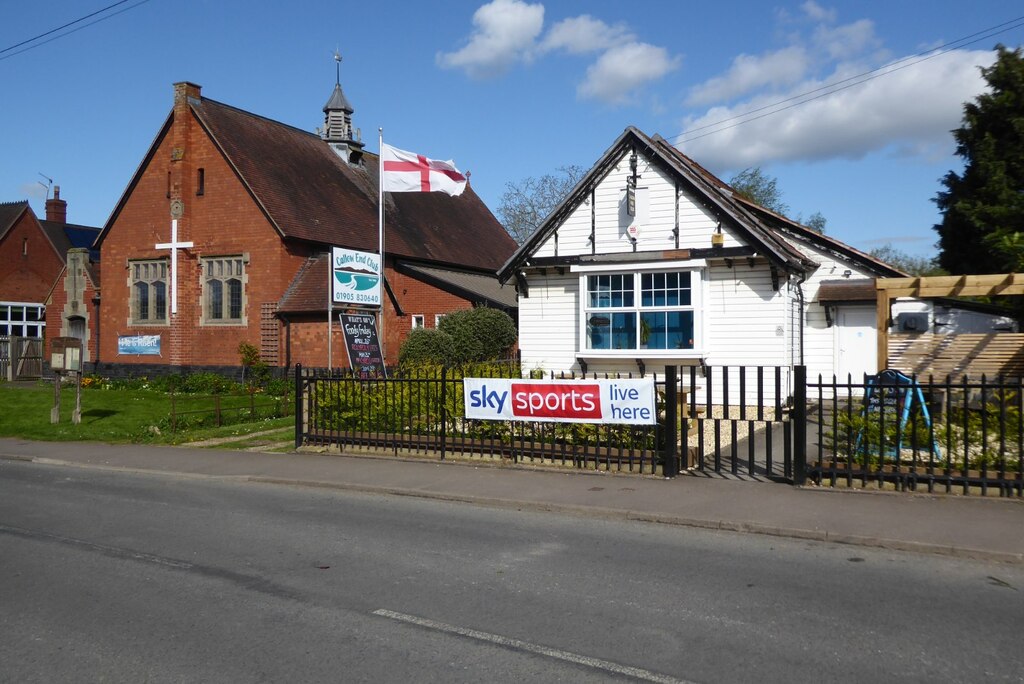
<point>56,208</point>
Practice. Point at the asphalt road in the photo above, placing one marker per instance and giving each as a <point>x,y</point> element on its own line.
<point>114,576</point>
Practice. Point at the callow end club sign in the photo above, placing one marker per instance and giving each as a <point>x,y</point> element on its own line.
<point>355,277</point>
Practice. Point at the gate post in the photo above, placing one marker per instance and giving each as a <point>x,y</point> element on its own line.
<point>298,406</point>
<point>444,411</point>
<point>670,458</point>
<point>799,418</point>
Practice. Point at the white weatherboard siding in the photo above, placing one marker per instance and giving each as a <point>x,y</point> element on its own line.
<point>746,326</point>
<point>548,329</point>
<point>611,223</point>
<point>821,340</point>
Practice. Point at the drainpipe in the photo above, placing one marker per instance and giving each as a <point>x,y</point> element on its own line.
<point>803,303</point>
<point>96,361</point>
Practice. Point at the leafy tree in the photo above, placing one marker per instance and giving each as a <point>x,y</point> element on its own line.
<point>525,205</point>
<point>757,186</point>
<point>908,263</point>
<point>983,207</point>
<point>815,222</point>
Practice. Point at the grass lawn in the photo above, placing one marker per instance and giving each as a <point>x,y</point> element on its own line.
<point>124,416</point>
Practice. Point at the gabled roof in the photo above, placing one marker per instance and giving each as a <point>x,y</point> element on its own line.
<point>307,192</point>
<point>762,229</point>
<point>61,236</point>
<point>10,212</point>
<point>64,236</point>
<point>822,242</point>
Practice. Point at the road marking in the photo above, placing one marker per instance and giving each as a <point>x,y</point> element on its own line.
<point>106,550</point>
<point>507,642</point>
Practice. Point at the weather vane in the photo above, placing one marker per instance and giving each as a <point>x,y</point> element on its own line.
<point>337,62</point>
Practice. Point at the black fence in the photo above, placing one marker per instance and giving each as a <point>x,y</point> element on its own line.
<point>713,420</point>
<point>920,435</point>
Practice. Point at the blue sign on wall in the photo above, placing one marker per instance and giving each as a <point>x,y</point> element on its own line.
<point>148,345</point>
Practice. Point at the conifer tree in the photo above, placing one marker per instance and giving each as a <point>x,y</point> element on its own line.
<point>982,229</point>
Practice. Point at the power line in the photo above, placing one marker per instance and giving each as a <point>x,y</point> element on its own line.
<point>68,33</point>
<point>851,81</point>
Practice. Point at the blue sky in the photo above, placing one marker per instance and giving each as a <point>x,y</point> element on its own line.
<point>510,89</point>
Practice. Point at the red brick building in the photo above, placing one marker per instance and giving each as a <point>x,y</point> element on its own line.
<point>33,254</point>
<point>257,205</point>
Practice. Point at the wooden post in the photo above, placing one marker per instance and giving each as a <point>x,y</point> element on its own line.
<point>55,411</point>
<point>76,415</point>
<point>882,325</point>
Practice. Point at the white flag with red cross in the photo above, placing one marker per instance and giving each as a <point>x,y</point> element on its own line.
<point>410,172</point>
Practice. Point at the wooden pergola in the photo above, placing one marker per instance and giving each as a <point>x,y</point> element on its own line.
<point>888,289</point>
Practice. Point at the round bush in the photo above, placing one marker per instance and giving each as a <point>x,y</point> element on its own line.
<point>427,346</point>
<point>479,334</point>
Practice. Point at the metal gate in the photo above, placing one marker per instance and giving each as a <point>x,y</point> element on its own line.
<point>741,420</point>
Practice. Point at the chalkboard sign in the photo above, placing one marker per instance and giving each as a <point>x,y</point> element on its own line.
<point>364,353</point>
<point>889,391</point>
<point>893,395</point>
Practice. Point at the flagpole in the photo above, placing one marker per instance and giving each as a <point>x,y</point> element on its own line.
<point>380,236</point>
<point>330,303</point>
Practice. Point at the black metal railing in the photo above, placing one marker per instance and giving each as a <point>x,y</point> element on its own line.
<point>423,412</point>
<point>918,434</point>
<point>724,420</point>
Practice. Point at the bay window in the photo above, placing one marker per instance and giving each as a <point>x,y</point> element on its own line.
<point>641,310</point>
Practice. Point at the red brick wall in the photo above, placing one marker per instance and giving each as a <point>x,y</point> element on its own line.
<point>27,278</point>
<point>309,333</point>
<point>224,221</point>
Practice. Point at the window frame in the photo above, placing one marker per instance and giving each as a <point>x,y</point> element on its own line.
<point>697,268</point>
<point>32,319</point>
<point>153,299</point>
<point>206,263</point>
<point>418,321</point>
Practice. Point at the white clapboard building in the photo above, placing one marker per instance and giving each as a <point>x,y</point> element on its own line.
<point>652,260</point>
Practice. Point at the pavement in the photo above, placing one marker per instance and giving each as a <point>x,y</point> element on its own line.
<point>989,529</point>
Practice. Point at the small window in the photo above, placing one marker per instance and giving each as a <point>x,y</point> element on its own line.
<point>437,319</point>
<point>168,185</point>
<point>201,182</point>
<point>417,321</point>
<point>24,247</point>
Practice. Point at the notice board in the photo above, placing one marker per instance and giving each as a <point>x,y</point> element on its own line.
<point>364,352</point>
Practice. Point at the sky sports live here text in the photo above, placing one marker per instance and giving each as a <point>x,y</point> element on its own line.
<point>629,401</point>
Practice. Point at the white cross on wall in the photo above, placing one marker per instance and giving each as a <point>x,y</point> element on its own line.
<point>174,246</point>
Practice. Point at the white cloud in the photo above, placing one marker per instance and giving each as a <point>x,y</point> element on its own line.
<point>583,34</point>
<point>504,32</point>
<point>507,31</point>
<point>781,68</point>
<point>848,40</point>
<point>34,190</point>
<point>623,69</point>
<point>818,13</point>
<point>911,110</point>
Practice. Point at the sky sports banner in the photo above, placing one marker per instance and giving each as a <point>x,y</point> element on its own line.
<point>565,401</point>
